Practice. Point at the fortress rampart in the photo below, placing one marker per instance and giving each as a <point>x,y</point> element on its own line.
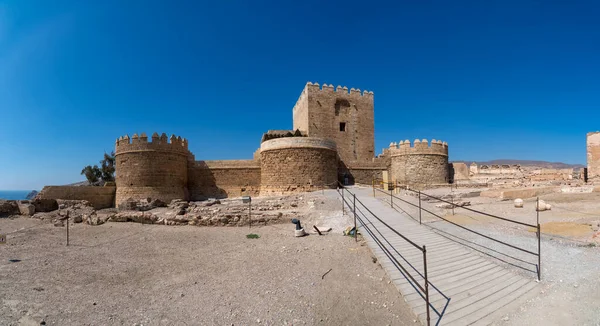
<point>220,179</point>
<point>297,164</point>
<point>421,147</point>
<point>593,156</point>
<point>152,169</point>
<point>162,143</point>
<point>340,90</point>
<point>98,197</point>
<point>422,163</point>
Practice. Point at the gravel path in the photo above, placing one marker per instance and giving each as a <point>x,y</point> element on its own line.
<point>134,274</point>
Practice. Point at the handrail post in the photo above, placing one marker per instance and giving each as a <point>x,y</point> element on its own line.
<point>391,198</point>
<point>354,210</point>
<point>539,234</point>
<point>67,228</point>
<point>373,185</point>
<point>419,207</point>
<point>537,209</point>
<point>343,209</point>
<point>426,282</point>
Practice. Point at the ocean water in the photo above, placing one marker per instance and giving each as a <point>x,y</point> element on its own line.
<point>14,194</point>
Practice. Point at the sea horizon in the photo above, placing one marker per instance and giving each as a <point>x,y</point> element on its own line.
<point>14,194</point>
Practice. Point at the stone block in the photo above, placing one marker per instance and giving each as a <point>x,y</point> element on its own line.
<point>26,208</point>
<point>8,207</point>
<point>45,205</point>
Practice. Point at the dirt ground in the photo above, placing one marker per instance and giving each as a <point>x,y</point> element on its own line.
<point>134,274</point>
<point>575,216</point>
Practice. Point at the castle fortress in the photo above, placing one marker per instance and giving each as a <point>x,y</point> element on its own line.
<point>332,141</point>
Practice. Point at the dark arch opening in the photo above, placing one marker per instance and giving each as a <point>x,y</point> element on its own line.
<point>341,104</point>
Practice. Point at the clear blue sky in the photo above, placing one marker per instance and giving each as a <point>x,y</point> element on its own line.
<point>495,79</point>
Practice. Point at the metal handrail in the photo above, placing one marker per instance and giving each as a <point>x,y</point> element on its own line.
<point>473,210</point>
<point>399,254</point>
<point>423,291</point>
<point>538,254</point>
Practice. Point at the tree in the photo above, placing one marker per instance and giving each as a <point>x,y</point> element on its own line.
<point>104,173</point>
<point>108,167</point>
<point>92,173</point>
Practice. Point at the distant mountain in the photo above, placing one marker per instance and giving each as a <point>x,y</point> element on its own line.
<point>542,164</point>
<point>31,195</point>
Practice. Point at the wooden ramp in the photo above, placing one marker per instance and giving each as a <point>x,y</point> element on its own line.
<point>480,290</point>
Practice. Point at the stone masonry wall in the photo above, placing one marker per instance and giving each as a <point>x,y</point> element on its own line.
<point>99,197</point>
<point>300,112</point>
<point>593,156</point>
<point>156,170</point>
<point>220,179</point>
<point>366,176</point>
<point>328,109</point>
<point>420,164</point>
<point>363,172</point>
<point>459,171</point>
<point>297,164</point>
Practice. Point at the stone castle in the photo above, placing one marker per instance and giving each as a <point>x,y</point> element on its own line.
<point>332,141</point>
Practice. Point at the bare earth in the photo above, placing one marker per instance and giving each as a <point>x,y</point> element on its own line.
<point>134,274</point>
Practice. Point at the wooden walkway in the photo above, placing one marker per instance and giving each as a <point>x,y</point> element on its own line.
<point>481,291</point>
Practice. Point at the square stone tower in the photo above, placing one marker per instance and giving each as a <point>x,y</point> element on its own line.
<point>346,117</point>
<point>593,155</point>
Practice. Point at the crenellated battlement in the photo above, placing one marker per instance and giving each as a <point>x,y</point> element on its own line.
<point>404,147</point>
<point>137,143</point>
<point>342,90</point>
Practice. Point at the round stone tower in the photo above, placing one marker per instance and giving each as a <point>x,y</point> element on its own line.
<point>156,169</point>
<point>421,164</point>
<point>294,164</point>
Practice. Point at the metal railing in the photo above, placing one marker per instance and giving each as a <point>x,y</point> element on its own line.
<point>362,220</point>
<point>421,209</point>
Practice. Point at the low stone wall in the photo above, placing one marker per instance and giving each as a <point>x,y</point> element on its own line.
<point>361,172</point>
<point>364,176</point>
<point>518,193</point>
<point>552,175</point>
<point>221,179</point>
<point>98,197</point>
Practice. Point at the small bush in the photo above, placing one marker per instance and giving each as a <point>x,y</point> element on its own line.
<point>252,236</point>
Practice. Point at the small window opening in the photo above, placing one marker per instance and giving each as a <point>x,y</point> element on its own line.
<point>342,126</point>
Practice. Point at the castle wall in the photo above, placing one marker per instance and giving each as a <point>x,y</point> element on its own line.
<point>460,171</point>
<point>499,169</point>
<point>221,179</point>
<point>297,164</point>
<point>421,164</point>
<point>329,108</point>
<point>98,197</point>
<point>300,112</point>
<point>362,172</point>
<point>156,169</point>
<point>593,156</point>
<point>551,175</point>
<point>365,176</point>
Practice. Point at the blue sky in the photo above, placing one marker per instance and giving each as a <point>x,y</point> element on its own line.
<point>495,79</point>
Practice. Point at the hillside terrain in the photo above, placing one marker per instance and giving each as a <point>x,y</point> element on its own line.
<point>543,164</point>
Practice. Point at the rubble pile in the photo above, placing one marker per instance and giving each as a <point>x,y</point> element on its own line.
<point>212,212</point>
